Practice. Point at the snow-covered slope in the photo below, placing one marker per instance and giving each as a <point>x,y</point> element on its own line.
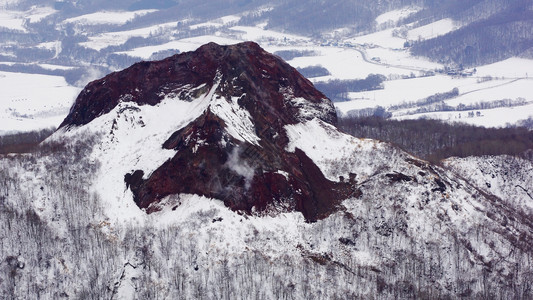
<point>432,30</point>
<point>509,178</point>
<point>131,139</point>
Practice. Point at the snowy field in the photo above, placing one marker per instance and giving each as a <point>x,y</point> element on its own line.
<point>11,20</point>
<point>345,64</point>
<point>513,67</point>
<point>409,90</point>
<point>402,58</point>
<point>506,80</point>
<point>44,66</point>
<point>392,38</point>
<point>237,34</point>
<point>108,17</point>
<point>33,102</point>
<point>217,23</point>
<point>101,41</point>
<point>396,15</point>
<point>472,91</point>
<point>183,45</point>
<point>497,117</point>
<point>15,20</point>
<point>384,38</point>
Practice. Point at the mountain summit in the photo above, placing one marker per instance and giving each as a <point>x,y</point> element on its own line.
<point>235,148</point>
<point>242,70</point>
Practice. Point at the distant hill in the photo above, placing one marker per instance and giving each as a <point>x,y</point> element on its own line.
<point>506,33</point>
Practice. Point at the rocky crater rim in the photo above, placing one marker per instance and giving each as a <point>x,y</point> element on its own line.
<point>186,76</point>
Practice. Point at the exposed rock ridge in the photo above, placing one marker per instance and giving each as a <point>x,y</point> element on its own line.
<point>244,68</point>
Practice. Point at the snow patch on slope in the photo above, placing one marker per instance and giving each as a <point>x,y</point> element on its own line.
<point>396,15</point>
<point>308,110</point>
<point>131,139</point>
<point>238,120</point>
<point>335,153</point>
<point>433,30</point>
<point>217,229</point>
<point>132,135</point>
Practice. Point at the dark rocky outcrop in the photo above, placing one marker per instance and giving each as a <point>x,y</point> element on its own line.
<point>247,176</point>
<point>243,68</point>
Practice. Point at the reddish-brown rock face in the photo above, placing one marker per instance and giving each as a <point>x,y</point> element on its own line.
<point>209,160</point>
<point>244,68</point>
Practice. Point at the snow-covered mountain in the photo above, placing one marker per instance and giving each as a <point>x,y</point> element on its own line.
<point>219,173</point>
<point>215,126</point>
